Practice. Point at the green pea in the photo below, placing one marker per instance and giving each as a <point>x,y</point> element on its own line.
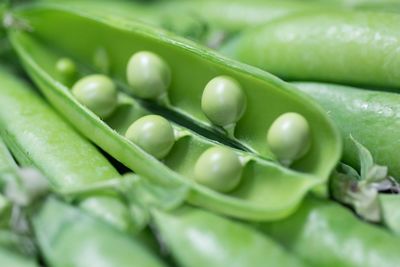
<point>148,75</point>
<point>152,133</point>
<point>67,69</point>
<point>289,137</point>
<point>223,101</point>
<point>98,93</point>
<point>218,168</point>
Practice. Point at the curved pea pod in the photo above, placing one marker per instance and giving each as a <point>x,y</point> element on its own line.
<point>371,117</point>
<point>247,202</point>
<point>198,238</point>
<point>324,233</point>
<point>9,258</point>
<point>37,136</point>
<point>69,237</point>
<point>347,47</point>
<point>265,94</point>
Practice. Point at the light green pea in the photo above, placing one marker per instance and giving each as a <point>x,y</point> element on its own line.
<point>218,168</point>
<point>67,69</point>
<point>152,133</point>
<point>223,101</point>
<point>98,93</point>
<point>148,75</point>
<point>289,137</point>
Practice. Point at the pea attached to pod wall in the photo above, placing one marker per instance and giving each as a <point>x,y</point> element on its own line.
<point>98,93</point>
<point>152,133</point>
<point>218,168</point>
<point>223,101</point>
<point>289,137</point>
<point>67,69</point>
<point>148,75</point>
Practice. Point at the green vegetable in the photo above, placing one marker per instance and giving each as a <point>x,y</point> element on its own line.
<point>38,136</point>
<point>323,233</point>
<point>390,211</point>
<point>67,69</point>
<point>218,168</point>
<point>369,116</point>
<point>197,238</point>
<point>98,93</point>
<point>223,101</point>
<point>289,137</point>
<point>148,75</point>
<point>9,258</point>
<point>358,48</point>
<point>269,193</point>
<point>153,133</point>
<point>69,237</point>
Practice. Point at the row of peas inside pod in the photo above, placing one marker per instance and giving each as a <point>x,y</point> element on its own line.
<point>223,102</point>
<point>148,68</point>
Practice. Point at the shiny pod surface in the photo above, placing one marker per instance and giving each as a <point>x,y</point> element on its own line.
<point>258,199</point>
<point>371,117</point>
<point>199,238</point>
<point>359,48</point>
<point>266,95</point>
<point>38,136</point>
<point>70,238</point>
<point>326,234</point>
<point>11,259</point>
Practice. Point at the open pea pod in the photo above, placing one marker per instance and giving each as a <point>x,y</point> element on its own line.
<point>265,94</point>
<point>69,237</point>
<point>271,196</point>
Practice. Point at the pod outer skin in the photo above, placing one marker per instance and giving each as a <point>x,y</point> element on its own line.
<point>199,238</point>
<point>37,135</point>
<point>324,233</point>
<point>347,47</point>
<point>371,117</point>
<point>10,259</point>
<point>70,238</point>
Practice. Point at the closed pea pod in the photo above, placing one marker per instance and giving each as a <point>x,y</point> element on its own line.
<point>324,233</point>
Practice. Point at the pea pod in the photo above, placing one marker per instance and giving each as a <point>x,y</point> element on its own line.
<point>323,233</point>
<point>186,231</point>
<point>69,237</point>
<point>251,203</point>
<point>369,116</point>
<point>325,46</point>
<point>41,138</point>
<point>256,85</point>
<point>8,258</point>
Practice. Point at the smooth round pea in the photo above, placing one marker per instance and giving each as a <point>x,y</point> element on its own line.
<point>67,70</point>
<point>223,101</point>
<point>218,168</point>
<point>289,137</point>
<point>148,75</point>
<point>66,67</point>
<point>98,93</point>
<point>152,133</point>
